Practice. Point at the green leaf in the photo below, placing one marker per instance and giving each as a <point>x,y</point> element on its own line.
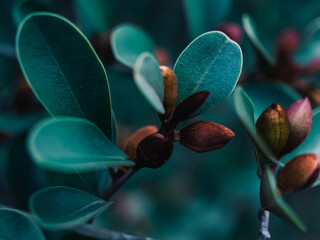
<point>251,31</point>
<point>63,207</point>
<point>128,42</point>
<point>63,69</point>
<point>15,225</point>
<point>73,145</point>
<point>22,8</point>
<point>148,78</point>
<point>97,15</point>
<point>199,14</point>
<point>272,201</point>
<point>245,111</point>
<point>212,62</point>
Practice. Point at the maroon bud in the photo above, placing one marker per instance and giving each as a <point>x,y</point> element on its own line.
<point>154,151</point>
<point>189,106</point>
<point>163,56</point>
<point>299,173</point>
<point>232,30</point>
<point>204,136</point>
<point>300,120</point>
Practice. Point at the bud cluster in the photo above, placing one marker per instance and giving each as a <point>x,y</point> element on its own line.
<point>283,130</point>
<point>152,148</point>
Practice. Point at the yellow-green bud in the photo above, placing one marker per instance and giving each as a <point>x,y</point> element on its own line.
<point>273,126</point>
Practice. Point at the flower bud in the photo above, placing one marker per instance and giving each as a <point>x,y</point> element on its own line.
<point>189,106</point>
<point>273,126</point>
<point>170,90</point>
<point>204,136</point>
<point>132,143</point>
<point>299,173</point>
<point>154,151</point>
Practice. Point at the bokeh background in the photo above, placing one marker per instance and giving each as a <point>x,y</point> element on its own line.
<point>194,196</point>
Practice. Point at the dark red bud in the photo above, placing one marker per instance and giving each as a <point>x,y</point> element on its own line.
<point>204,136</point>
<point>299,173</point>
<point>189,106</point>
<point>154,151</point>
<point>232,30</point>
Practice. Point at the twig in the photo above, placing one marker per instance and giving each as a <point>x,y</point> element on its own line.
<point>118,182</point>
<point>264,225</point>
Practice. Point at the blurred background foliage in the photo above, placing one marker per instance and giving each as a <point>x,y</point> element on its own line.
<point>194,196</point>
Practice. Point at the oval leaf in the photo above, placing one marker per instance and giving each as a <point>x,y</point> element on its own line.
<point>63,69</point>
<point>251,31</point>
<point>212,62</point>
<point>15,225</point>
<point>272,201</point>
<point>148,78</point>
<point>128,42</point>
<point>72,145</point>
<point>64,207</point>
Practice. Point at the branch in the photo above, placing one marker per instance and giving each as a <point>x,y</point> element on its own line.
<point>264,225</point>
<point>100,233</point>
<point>118,182</point>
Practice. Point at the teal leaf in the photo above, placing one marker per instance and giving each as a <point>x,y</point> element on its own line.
<point>63,69</point>
<point>63,207</point>
<point>15,225</point>
<point>23,8</point>
<point>245,111</point>
<point>97,15</point>
<point>148,78</point>
<point>212,62</point>
<point>73,145</point>
<point>251,31</point>
<point>272,201</point>
<point>199,14</point>
<point>128,42</point>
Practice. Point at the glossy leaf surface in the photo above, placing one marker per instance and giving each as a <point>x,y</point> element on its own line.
<point>212,62</point>
<point>64,207</point>
<point>148,78</point>
<point>128,42</point>
<point>63,69</point>
<point>73,145</point>
<point>15,225</point>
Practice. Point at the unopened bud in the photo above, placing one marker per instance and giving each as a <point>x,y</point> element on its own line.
<point>299,173</point>
<point>154,151</point>
<point>132,143</point>
<point>170,90</point>
<point>204,136</point>
<point>273,126</point>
